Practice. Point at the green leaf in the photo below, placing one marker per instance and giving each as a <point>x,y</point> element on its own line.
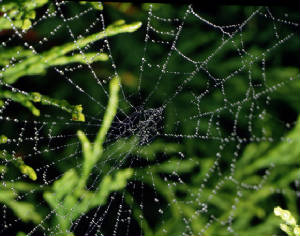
<point>65,184</point>
<point>108,185</point>
<point>69,197</point>
<point>3,139</point>
<point>29,171</point>
<point>92,153</point>
<point>109,115</point>
<point>38,64</point>
<point>285,215</point>
<point>26,24</point>
<point>96,5</point>
<point>21,98</point>
<point>289,149</point>
<point>6,195</point>
<point>25,211</point>
<point>26,100</point>
<point>19,163</point>
<point>19,13</point>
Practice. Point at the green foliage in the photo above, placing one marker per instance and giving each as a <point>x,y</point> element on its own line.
<point>33,63</point>
<point>290,226</point>
<point>92,152</point>
<point>3,139</point>
<point>18,13</point>
<point>26,100</point>
<point>24,210</point>
<point>37,64</point>
<point>96,5</point>
<point>69,196</point>
<point>19,163</point>
<point>255,158</point>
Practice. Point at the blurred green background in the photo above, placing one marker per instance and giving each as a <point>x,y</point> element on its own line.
<point>194,163</point>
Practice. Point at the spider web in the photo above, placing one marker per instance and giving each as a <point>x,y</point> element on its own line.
<point>219,100</point>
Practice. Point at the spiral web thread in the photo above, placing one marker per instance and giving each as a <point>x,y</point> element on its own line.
<point>49,135</point>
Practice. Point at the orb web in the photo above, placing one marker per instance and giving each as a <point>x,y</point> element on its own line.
<point>207,119</point>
